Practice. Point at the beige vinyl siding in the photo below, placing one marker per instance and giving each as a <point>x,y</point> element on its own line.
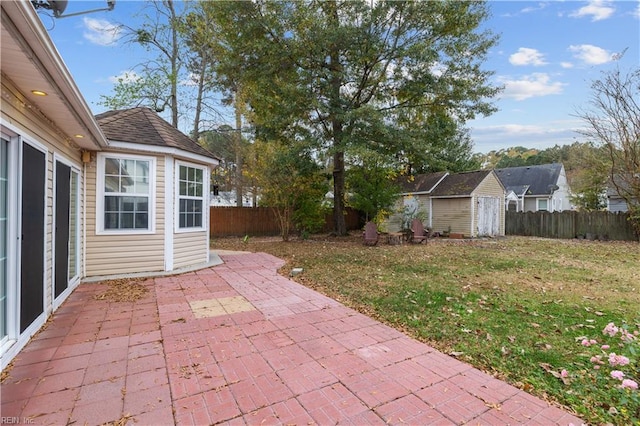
<point>34,127</point>
<point>452,214</point>
<point>491,187</point>
<point>394,222</point>
<point>190,248</point>
<point>117,254</point>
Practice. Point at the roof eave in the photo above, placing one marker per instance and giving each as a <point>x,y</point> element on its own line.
<point>162,150</point>
<point>49,63</point>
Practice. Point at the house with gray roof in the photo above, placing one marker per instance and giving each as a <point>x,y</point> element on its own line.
<point>150,189</point>
<point>536,188</point>
<point>622,184</point>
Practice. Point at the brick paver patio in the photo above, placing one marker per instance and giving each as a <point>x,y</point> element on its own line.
<point>240,344</point>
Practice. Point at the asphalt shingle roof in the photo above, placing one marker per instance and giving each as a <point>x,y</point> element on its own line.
<point>542,179</point>
<point>420,183</point>
<point>447,184</point>
<point>460,183</point>
<point>144,126</point>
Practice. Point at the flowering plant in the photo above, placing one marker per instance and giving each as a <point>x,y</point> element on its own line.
<point>612,373</point>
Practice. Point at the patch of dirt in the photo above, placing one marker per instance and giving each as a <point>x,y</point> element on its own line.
<point>6,373</point>
<point>124,420</point>
<point>123,290</point>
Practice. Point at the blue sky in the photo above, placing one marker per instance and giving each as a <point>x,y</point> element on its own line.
<point>548,56</point>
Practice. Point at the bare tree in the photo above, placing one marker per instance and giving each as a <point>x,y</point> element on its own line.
<point>156,84</point>
<point>613,120</point>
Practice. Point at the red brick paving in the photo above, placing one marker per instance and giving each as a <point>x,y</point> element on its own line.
<point>297,358</point>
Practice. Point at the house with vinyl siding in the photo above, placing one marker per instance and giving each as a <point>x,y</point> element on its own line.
<point>541,187</point>
<point>468,203</point>
<point>83,196</point>
<point>619,185</point>
<point>150,183</point>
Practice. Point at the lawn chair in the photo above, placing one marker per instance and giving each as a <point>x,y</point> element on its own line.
<point>418,234</point>
<point>370,234</point>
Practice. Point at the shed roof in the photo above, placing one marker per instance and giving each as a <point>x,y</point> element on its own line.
<point>423,183</point>
<point>542,179</point>
<point>460,183</point>
<point>142,125</point>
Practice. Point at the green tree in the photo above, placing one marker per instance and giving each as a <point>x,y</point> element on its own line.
<point>348,74</point>
<point>291,183</point>
<point>371,182</point>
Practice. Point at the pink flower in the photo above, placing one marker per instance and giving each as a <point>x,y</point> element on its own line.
<point>610,329</point>
<point>627,337</point>
<point>564,373</point>
<point>585,342</point>
<point>617,359</point>
<point>605,347</point>
<point>617,374</point>
<point>629,384</point>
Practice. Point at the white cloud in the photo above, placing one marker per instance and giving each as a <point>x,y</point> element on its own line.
<point>534,85</point>
<point>591,55</point>
<point>125,77</point>
<point>538,136</point>
<point>566,64</point>
<point>531,9</point>
<point>100,31</point>
<point>527,56</point>
<point>597,9</point>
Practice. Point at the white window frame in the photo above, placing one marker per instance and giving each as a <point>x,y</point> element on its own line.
<point>538,200</point>
<point>203,198</point>
<point>100,194</point>
<point>74,275</point>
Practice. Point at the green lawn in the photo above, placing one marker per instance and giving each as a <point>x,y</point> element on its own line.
<point>517,308</point>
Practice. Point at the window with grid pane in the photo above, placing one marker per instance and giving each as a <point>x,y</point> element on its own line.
<point>190,197</point>
<point>126,193</point>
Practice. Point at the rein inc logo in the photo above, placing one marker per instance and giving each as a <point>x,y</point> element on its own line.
<point>5,420</point>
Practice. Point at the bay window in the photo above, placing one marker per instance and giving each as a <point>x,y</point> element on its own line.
<point>125,193</point>
<point>191,198</point>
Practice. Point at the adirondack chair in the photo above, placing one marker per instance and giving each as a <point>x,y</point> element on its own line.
<point>370,234</point>
<point>418,234</point>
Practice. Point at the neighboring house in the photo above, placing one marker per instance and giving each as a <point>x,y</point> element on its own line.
<point>83,197</point>
<point>467,203</point>
<point>536,188</point>
<point>229,199</point>
<point>615,202</point>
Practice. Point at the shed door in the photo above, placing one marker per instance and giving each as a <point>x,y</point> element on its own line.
<point>488,216</point>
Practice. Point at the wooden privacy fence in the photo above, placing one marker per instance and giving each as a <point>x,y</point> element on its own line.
<point>256,221</point>
<point>571,224</point>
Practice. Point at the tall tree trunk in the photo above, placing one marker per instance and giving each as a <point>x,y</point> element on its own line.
<point>174,64</point>
<point>340,226</point>
<point>238,149</point>
<point>195,133</point>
